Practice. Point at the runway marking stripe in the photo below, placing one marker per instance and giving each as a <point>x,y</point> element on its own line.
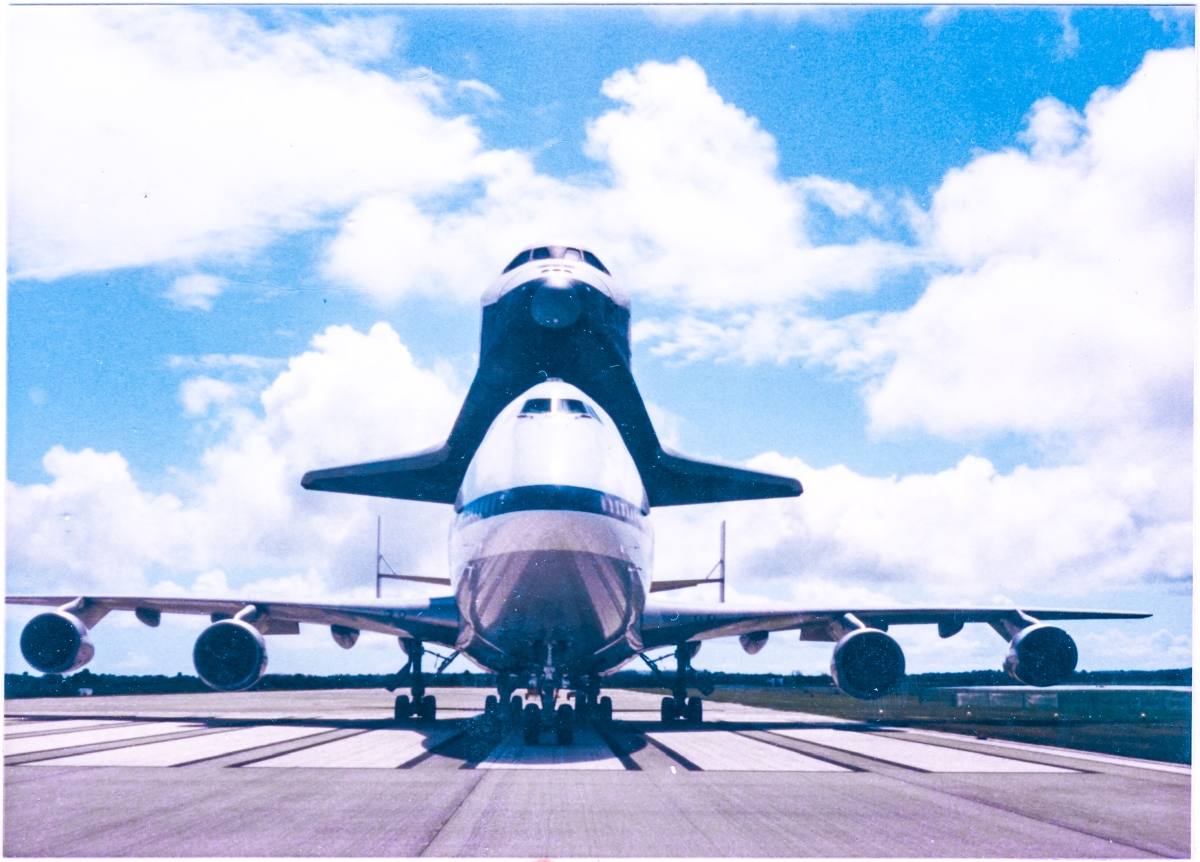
<point>587,752</point>
<point>30,744</point>
<point>375,749</point>
<point>723,751</point>
<point>1057,751</point>
<point>928,758</point>
<point>177,752</point>
<point>39,728</point>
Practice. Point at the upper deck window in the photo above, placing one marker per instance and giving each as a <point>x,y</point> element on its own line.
<point>523,257</point>
<point>536,405</point>
<point>595,261</point>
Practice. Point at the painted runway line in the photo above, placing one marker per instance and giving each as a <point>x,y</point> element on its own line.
<point>1056,751</point>
<point>122,732</point>
<point>928,758</point>
<point>723,751</point>
<point>14,730</point>
<point>176,752</point>
<point>375,749</point>
<point>588,751</point>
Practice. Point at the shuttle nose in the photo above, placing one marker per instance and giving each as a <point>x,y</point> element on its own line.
<point>555,306</point>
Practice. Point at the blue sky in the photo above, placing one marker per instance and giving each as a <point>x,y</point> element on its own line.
<point>889,250</point>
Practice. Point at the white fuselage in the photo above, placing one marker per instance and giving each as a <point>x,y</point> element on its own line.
<point>551,546</point>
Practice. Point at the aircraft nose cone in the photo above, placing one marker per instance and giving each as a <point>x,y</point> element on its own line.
<point>555,307</point>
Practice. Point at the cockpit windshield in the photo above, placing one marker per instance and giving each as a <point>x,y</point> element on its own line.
<point>536,405</point>
<point>573,406</point>
<point>579,408</point>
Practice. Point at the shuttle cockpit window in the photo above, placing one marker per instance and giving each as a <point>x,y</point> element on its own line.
<point>535,405</point>
<point>556,252</point>
<point>579,408</point>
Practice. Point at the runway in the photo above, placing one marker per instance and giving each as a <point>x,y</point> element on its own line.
<point>327,773</point>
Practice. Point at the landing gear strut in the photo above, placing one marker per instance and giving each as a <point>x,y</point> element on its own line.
<point>421,705</point>
<point>679,705</point>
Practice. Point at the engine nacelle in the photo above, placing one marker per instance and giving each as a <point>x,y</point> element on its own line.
<point>56,642</point>
<point>1041,655</point>
<point>344,636</point>
<point>754,642</point>
<point>230,655</point>
<point>867,664</point>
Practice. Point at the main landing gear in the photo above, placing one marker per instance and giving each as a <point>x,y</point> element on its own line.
<point>563,724</point>
<point>679,705</point>
<point>506,709</point>
<point>421,705</point>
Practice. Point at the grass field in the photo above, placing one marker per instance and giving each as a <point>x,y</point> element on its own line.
<point>1106,721</point>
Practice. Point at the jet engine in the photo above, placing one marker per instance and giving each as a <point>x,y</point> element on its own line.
<point>754,641</point>
<point>1041,655</point>
<point>230,655</point>
<point>56,642</point>
<point>867,663</point>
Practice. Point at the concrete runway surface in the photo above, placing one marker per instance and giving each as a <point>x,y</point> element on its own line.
<point>327,773</point>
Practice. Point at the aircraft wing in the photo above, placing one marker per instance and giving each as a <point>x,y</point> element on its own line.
<point>667,625</point>
<point>432,620</point>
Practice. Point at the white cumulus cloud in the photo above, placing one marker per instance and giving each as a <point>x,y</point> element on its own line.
<point>195,291</point>
<point>140,135</point>
<point>353,397</point>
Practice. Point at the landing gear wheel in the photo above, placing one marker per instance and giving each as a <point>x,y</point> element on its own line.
<point>403,707</point>
<point>668,710</point>
<point>515,707</point>
<point>532,724</point>
<point>694,712</point>
<point>428,710</point>
<point>491,707</point>
<point>606,709</point>
<point>564,725</point>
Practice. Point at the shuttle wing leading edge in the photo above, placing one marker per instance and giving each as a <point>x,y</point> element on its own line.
<point>670,479</point>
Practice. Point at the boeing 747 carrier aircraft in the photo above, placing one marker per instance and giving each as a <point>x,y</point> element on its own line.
<point>553,468</point>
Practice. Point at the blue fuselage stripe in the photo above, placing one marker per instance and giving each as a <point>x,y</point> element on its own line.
<point>550,498</point>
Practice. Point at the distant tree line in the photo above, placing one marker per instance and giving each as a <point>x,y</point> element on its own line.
<point>55,685</point>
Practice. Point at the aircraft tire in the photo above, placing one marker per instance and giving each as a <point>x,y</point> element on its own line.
<point>532,723</point>
<point>668,710</point>
<point>606,709</point>
<point>564,725</point>
<point>694,712</point>
<point>428,710</point>
<point>403,707</point>
<point>491,707</point>
<point>515,707</point>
